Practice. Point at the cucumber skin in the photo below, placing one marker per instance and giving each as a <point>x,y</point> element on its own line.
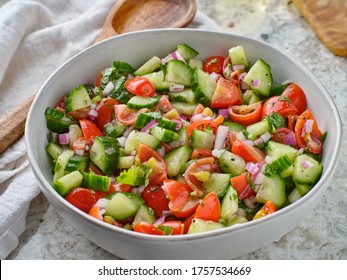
<point>77,99</point>
<point>203,86</point>
<point>176,158</point>
<point>68,182</point>
<point>106,161</point>
<point>57,121</point>
<point>121,207</point>
<point>96,182</point>
<point>306,176</point>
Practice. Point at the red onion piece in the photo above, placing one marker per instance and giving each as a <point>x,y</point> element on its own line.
<point>149,125</point>
<point>289,139</point>
<point>108,88</point>
<point>63,138</point>
<point>306,164</point>
<point>307,127</point>
<point>224,113</point>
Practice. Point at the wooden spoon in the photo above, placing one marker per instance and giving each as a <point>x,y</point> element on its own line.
<point>124,16</point>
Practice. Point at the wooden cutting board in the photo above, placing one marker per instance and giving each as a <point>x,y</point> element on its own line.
<point>328,18</point>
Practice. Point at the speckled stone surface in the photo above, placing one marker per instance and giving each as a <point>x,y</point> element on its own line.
<point>323,233</point>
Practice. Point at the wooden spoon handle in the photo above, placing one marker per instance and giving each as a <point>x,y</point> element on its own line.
<point>12,125</point>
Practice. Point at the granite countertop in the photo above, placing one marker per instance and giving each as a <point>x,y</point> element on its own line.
<point>323,233</point>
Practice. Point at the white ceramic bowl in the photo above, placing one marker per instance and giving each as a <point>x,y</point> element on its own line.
<point>135,48</point>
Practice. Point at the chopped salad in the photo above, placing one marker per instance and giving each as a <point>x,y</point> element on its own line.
<point>182,145</point>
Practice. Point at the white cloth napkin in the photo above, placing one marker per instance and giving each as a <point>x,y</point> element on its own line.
<point>35,38</point>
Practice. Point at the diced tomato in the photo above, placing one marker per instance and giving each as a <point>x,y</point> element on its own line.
<point>177,226</point>
<point>95,212</point>
<point>241,185</point>
<point>209,208</point>
<point>311,140</point>
<point>201,153</point>
<point>145,227</point>
<point>80,114</point>
<point>89,130</point>
<point>98,80</point>
<point>213,64</point>
<point>201,125</point>
<point>158,165</point>
<point>155,197</point>
<point>105,112</point>
<point>203,164</point>
<point>127,116</point>
<point>281,105</point>
<point>297,96</point>
<point>226,94</point>
<point>246,114</point>
<point>247,152</point>
<point>84,198</point>
<point>140,86</point>
<point>164,105</point>
<point>268,208</point>
<point>181,203</point>
<point>187,222</point>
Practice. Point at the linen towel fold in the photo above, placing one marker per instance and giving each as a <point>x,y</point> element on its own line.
<point>36,37</point>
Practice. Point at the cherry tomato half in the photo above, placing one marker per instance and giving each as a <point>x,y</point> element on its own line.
<point>155,197</point>
<point>241,185</point>
<point>181,203</point>
<point>127,116</point>
<point>281,105</point>
<point>213,64</point>
<point>225,94</point>
<point>105,112</point>
<point>145,227</point>
<point>209,208</point>
<point>201,125</point>
<point>246,114</point>
<point>84,198</point>
<point>247,152</point>
<point>308,140</point>
<point>297,96</point>
<point>89,130</point>
<point>268,208</point>
<point>140,86</point>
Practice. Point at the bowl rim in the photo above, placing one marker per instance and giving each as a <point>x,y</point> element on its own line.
<point>46,186</point>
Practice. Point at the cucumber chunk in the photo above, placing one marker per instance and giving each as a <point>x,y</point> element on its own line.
<point>176,158</point>
<point>57,121</point>
<point>164,135</point>
<point>144,214</point>
<point>229,204</point>
<point>68,182</point>
<point>104,153</point>
<point>136,137</point>
<point>187,52</point>
<point>203,85</point>
<point>60,164</point>
<point>54,150</point>
<point>158,81</point>
<point>148,67</point>
<point>184,108</point>
<point>184,96</point>
<point>79,163</point>
<point>121,207</point>
<point>139,102</point>
<point>178,72</point>
<point>202,140</point>
<point>259,78</point>
<point>96,182</point>
<point>238,56</point>
<point>275,150</point>
<point>306,170</point>
<point>77,99</point>
<point>199,225</point>
<point>217,182</point>
<point>231,163</point>
<point>273,188</point>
